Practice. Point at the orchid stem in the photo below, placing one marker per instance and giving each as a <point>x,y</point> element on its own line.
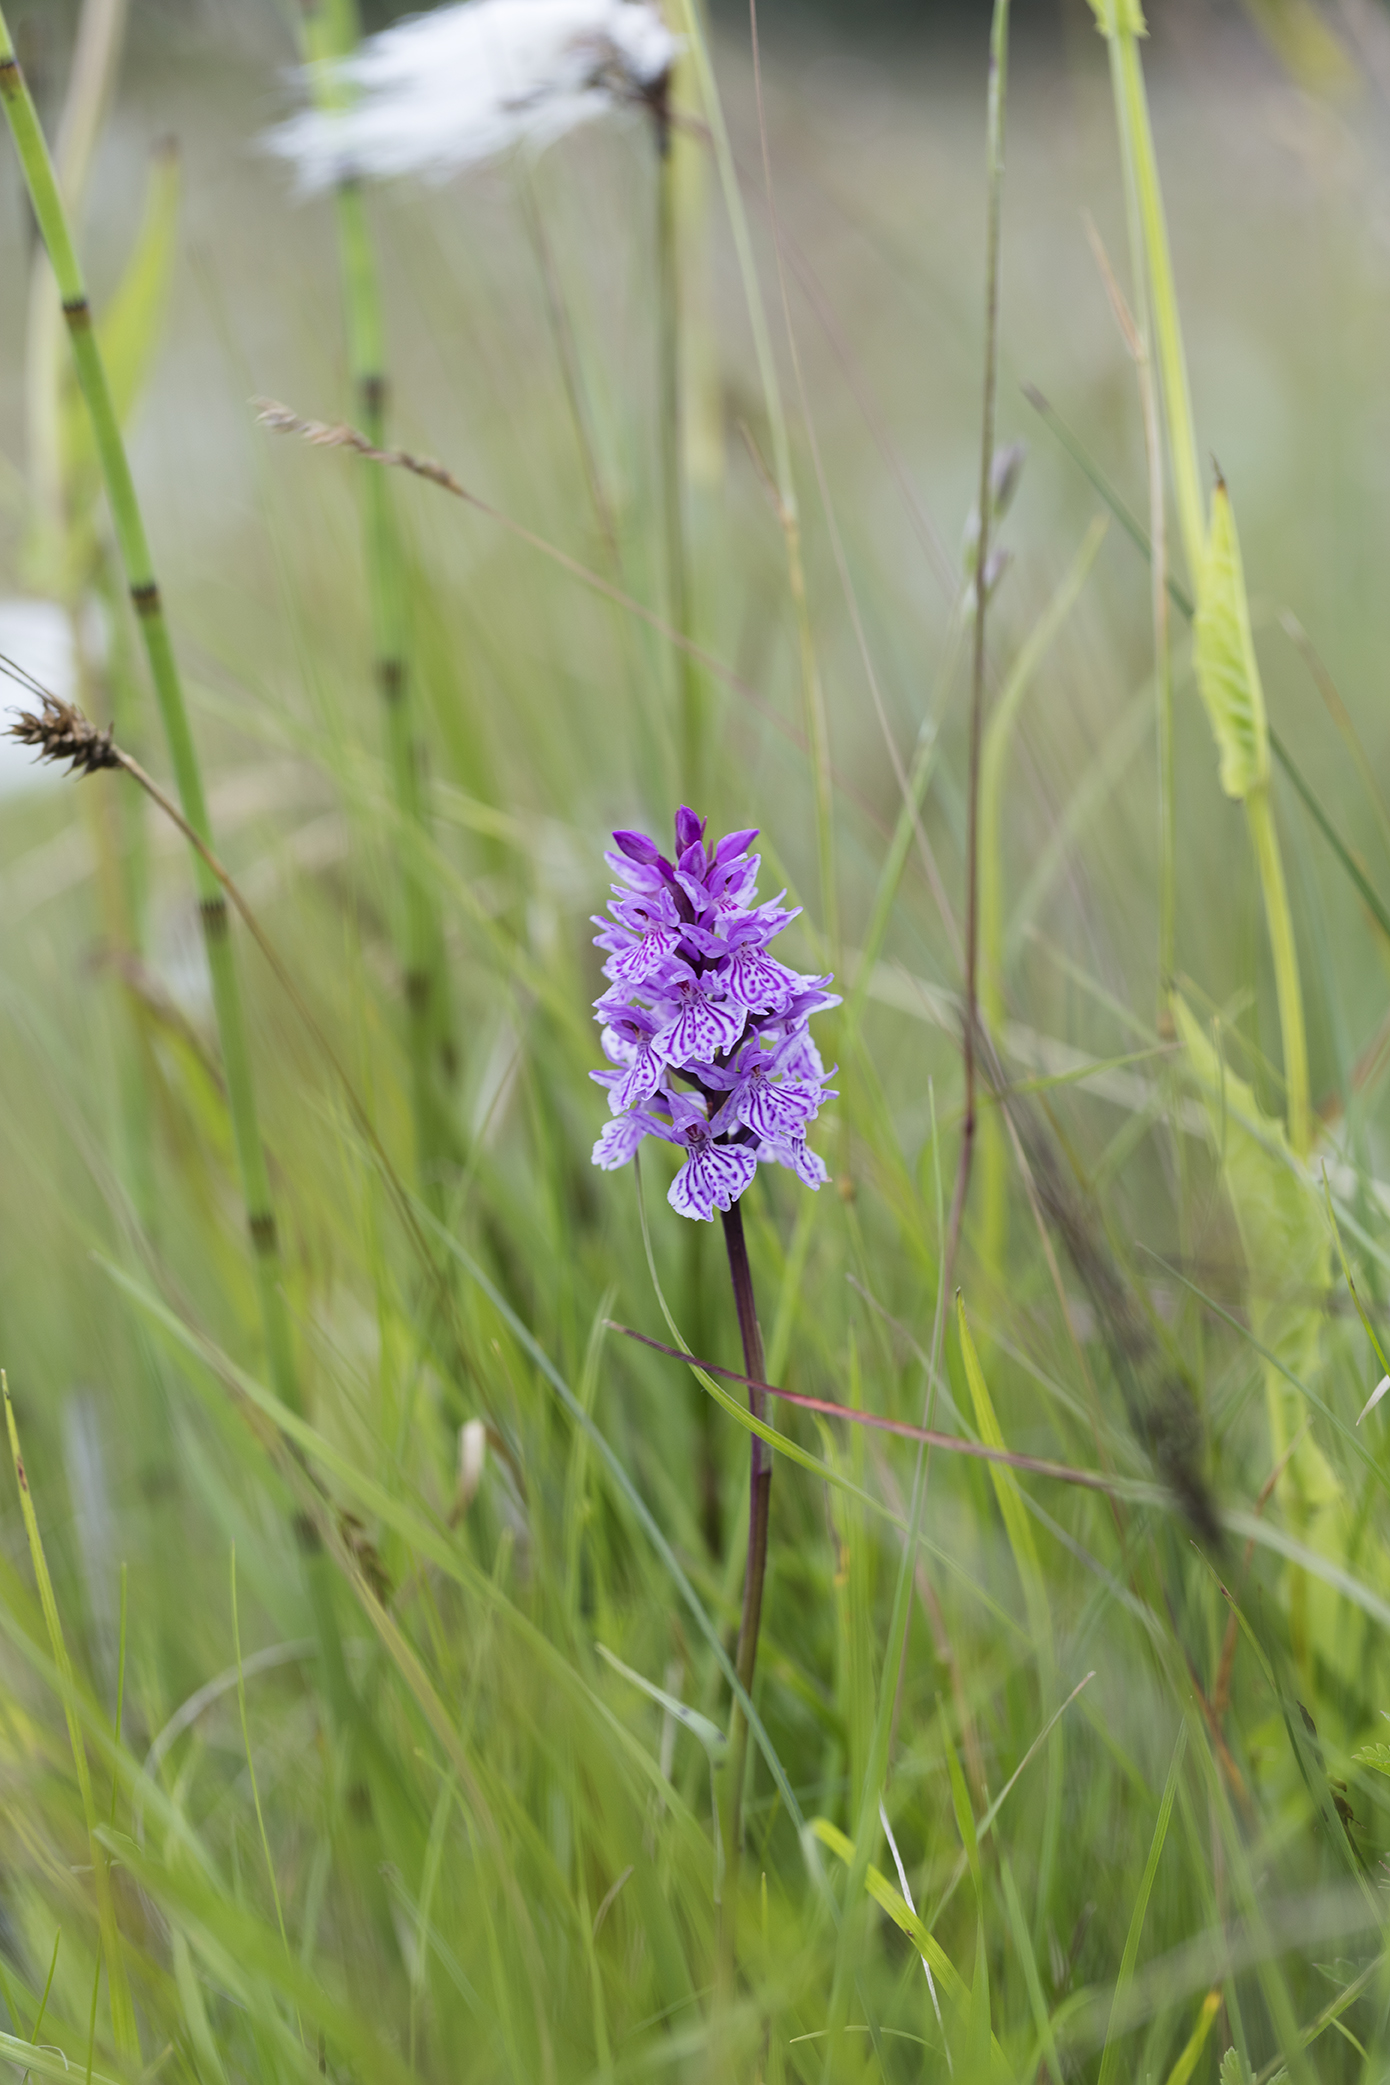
<point>755,1570</point>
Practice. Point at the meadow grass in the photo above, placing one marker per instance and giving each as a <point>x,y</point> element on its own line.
<point>1067,1756</point>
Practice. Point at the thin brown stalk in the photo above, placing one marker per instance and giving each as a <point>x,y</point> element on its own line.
<point>928,1437</point>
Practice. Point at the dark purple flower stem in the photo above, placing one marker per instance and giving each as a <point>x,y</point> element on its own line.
<point>755,1571</point>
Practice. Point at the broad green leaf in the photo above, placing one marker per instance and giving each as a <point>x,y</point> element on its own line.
<point>128,330</point>
<point>1283,1235</point>
<point>1376,1757</point>
<point>1234,2069</point>
<point>1228,675</point>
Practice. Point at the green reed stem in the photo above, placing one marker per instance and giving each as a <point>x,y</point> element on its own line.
<point>51,216</point>
<point>691,740</point>
<point>1122,24</point>
<point>330,30</point>
<point>1158,535</point>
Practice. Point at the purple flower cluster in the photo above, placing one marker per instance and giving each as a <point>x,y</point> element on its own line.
<point>705,1032</point>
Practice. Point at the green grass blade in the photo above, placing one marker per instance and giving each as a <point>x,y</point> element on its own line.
<point>1110,2057</point>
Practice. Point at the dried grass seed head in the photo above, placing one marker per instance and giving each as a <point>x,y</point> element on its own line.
<point>61,732</point>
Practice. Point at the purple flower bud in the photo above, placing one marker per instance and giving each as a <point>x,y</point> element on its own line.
<point>689,829</point>
<point>638,848</point>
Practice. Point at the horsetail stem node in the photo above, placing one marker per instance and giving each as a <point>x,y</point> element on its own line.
<point>462,85</point>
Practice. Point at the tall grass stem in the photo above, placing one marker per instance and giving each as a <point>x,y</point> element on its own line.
<point>1122,22</point>
<point>691,728</point>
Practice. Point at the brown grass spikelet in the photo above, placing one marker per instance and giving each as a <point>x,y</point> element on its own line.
<point>61,732</point>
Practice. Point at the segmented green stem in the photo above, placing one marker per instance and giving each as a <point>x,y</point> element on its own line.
<point>51,216</point>
<point>330,31</point>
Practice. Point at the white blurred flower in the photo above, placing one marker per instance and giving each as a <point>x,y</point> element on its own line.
<point>472,1458</point>
<point>450,89</point>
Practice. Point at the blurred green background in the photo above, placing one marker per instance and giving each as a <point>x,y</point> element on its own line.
<point>549,719</point>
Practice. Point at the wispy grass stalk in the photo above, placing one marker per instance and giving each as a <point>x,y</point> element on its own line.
<point>997,740</point>
<point>51,215</point>
<point>330,32</point>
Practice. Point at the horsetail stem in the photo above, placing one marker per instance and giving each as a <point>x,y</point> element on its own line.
<point>329,31</point>
<point>51,217</point>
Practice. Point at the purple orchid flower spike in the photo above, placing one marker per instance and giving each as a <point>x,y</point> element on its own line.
<point>698,1016</point>
<point>708,1048</point>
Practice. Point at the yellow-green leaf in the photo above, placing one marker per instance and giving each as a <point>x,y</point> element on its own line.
<point>1017,1525</point>
<point>1283,1236</point>
<point>1228,676</point>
